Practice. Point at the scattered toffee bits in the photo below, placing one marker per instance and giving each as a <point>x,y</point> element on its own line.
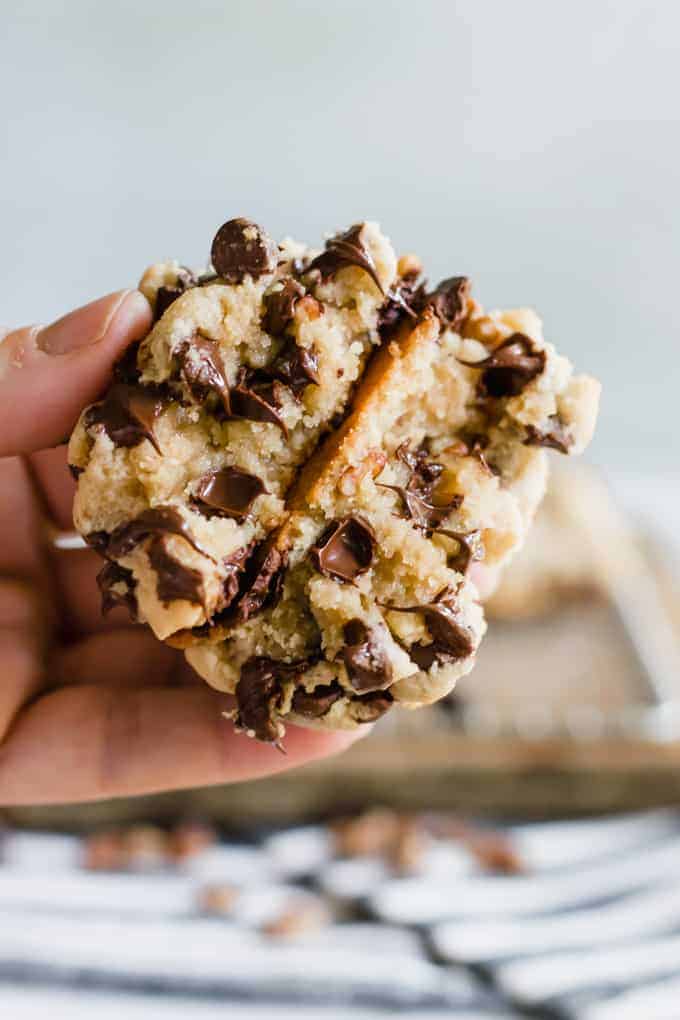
<point>127,415</point>
<point>509,368</point>
<point>366,661</point>
<point>203,370</point>
<point>157,520</point>
<point>257,400</point>
<point>450,302</point>
<point>117,587</point>
<point>317,703</point>
<point>557,437</point>
<point>451,641</point>
<point>279,305</point>
<point>169,293</point>
<point>174,580</point>
<point>345,549</point>
<point>241,248</point>
<point>346,249</point>
<point>228,493</point>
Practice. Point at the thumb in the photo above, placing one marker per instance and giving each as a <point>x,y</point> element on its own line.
<point>49,373</point>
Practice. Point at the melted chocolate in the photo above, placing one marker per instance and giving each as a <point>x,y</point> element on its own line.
<point>99,541</point>
<point>451,641</point>
<point>258,402</point>
<point>241,248</point>
<point>317,703</point>
<point>375,704</point>
<point>366,662</point>
<point>228,493</point>
<point>470,548</point>
<point>75,471</point>
<point>416,495</point>
<point>262,580</point>
<point>258,694</point>
<point>557,437</point>
<point>170,292</point>
<point>125,369</point>
<point>346,250</point>
<point>233,565</point>
<point>112,575</point>
<point>345,549</point>
<point>127,414</point>
<point>279,307</point>
<point>449,301</point>
<point>157,520</point>
<point>174,580</point>
<point>203,370</point>
<point>296,367</point>
<point>405,300</point>
<point>509,368</point>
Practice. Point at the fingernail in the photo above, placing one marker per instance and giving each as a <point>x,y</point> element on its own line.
<point>89,325</point>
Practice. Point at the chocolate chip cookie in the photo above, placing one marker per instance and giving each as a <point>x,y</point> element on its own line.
<point>293,475</point>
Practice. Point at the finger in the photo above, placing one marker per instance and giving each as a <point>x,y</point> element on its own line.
<point>126,656</point>
<point>92,742</point>
<point>57,486</point>
<point>48,374</point>
<point>22,634</point>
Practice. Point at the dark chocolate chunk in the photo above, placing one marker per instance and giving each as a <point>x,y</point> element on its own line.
<point>258,694</point>
<point>296,367</point>
<point>99,541</point>
<point>366,661</point>
<point>257,401</point>
<point>127,414</point>
<point>557,437</point>
<point>470,548</point>
<point>346,250</point>
<point>317,703</point>
<point>241,248</point>
<point>345,549</point>
<point>262,580</point>
<point>451,640</point>
<point>233,565</point>
<point>125,368</point>
<point>168,293</point>
<point>279,305</point>
<point>203,370</point>
<point>405,300</point>
<point>374,704</point>
<point>112,576</point>
<point>228,493</point>
<point>424,656</point>
<point>509,368</point>
<point>416,495</point>
<point>449,301</point>
<point>156,520</point>
<point>174,580</point>
<point>75,471</point>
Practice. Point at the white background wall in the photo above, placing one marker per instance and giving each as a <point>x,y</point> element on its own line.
<point>531,144</point>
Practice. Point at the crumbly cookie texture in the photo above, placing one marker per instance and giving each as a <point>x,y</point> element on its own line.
<point>320,578</point>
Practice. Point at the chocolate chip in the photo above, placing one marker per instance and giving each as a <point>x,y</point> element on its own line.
<point>557,437</point>
<point>449,301</point>
<point>280,305</point>
<point>233,567</point>
<point>317,703</point>
<point>424,656</point>
<point>470,548</point>
<point>346,249</point>
<point>416,495</point>
<point>405,300</point>
<point>174,580</point>
<point>373,705</point>
<point>75,471</point>
<point>257,401</point>
<point>258,694</point>
<point>262,581</point>
<point>451,640</point>
<point>112,577</point>
<point>168,293</point>
<point>509,368</point>
<point>99,541</point>
<point>228,493</point>
<point>203,369</point>
<point>296,367</point>
<point>127,414</point>
<point>345,549</point>
<point>366,661</point>
<point>241,248</point>
<point>154,521</point>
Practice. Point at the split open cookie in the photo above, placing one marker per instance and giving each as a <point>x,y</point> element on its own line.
<point>304,525</point>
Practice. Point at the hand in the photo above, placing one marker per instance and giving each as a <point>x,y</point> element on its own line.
<point>91,707</point>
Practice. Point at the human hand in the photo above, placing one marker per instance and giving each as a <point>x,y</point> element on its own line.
<point>91,707</point>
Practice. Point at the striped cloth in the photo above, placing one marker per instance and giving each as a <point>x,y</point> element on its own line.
<point>589,930</point>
